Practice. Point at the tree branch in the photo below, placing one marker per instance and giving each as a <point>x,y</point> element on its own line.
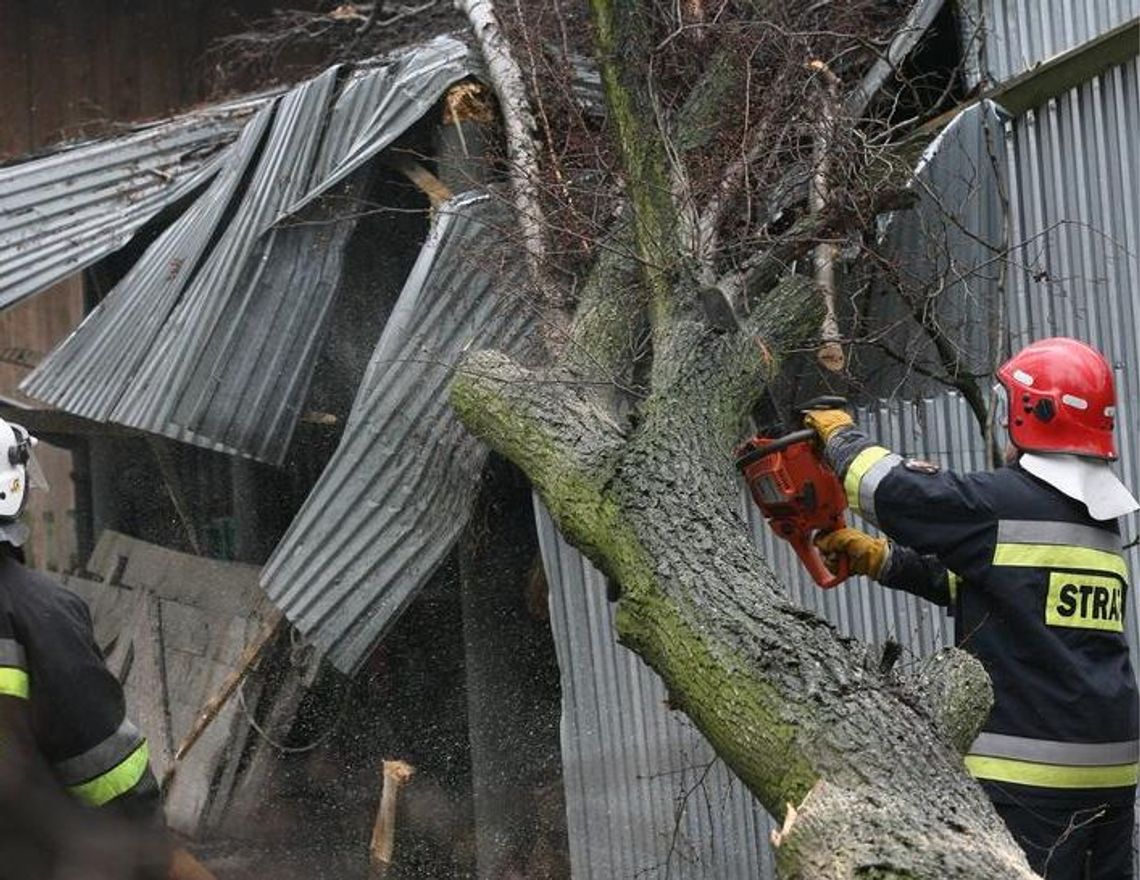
<point>839,216</point>
<point>522,148</point>
<point>605,336</point>
<point>623,47</point>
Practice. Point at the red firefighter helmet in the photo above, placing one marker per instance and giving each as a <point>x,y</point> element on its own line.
<point>1061,399</point>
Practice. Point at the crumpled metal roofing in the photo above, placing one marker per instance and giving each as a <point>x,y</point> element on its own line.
<point>212,336</point>
<point>946,251</point>
<point>63,212</point>
<point>397,492</point>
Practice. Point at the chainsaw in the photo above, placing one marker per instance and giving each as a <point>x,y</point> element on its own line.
<point>797,491</point>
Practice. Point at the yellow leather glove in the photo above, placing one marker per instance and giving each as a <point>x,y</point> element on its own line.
<point>865,555</point>
<point>826,422</point>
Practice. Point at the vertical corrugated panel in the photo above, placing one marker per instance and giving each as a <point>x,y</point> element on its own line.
<point>645,797</point>
<point>1073,167</point>
<point>1022,33</point>
<point>397,491</point>
<point>945,255</point>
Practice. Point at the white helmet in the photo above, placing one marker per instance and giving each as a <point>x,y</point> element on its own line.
<point>18,473</point>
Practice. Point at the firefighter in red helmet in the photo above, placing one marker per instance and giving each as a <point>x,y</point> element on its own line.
<point>1030,560</point>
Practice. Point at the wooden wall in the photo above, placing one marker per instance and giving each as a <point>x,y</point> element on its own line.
<point>79,68</point>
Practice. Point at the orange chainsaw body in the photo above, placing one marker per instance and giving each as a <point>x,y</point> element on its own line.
<point>799,495</point>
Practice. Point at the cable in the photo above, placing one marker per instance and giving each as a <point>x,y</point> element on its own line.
<point>281,747</point>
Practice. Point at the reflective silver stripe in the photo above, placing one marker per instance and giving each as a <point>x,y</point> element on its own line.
<point>1044,751</point>
<point>103,757</point>
<point>870,483</point>
<point>12,654</point>
<point>1028,531</point>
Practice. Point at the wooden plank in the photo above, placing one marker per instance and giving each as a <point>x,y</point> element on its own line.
<point>221,696</point>
<point>394,775</point>
<point>155,59</point>
<point>15,96</point>
<point>242,794</point>
<point>45,36</point>
<point>147,691</point>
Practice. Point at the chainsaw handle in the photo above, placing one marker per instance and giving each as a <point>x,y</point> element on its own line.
<point>755,453</point>
<point>813,561</point>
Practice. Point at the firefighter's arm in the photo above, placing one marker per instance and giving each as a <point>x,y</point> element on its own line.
<point>892,565</point>
<point>45,834</point>
<point>916,504</point>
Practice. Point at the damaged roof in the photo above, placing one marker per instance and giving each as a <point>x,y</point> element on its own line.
<point>399,488</point>
<point>212,336</point>
<point>63,212</point>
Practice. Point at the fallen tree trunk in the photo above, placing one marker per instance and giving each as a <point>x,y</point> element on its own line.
<point>867,759</point>
<point>862,766</point>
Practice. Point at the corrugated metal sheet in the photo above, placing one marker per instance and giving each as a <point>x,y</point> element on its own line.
<point>1020,34</point>
<point>212,336</point>
<point>946,254</point>
<point>397,492</point>
<point>62,212</point>
<point>644,797</point>
<point>1073,169</point>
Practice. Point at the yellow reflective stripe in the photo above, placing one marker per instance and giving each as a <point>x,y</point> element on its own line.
<point>1061,556</point>
<point>118,780</point>
<point>953,582</point>
<point>1050,775</point>
<point>13,683</point>
<point>854,477</point>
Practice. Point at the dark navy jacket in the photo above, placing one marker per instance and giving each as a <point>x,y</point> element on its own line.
<point>1038,589</point>
<point>50,662</point>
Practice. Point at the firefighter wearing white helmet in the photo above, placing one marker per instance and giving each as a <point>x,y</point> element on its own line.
<point>1030,561</point>
<point>19,472</point>
<point>67,745</point>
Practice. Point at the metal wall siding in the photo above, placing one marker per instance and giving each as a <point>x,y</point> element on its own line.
<point>65,211</point>
<point>1022,33</point>
<point>1073,171</point>
<point>383,103</point>
<point>222,319</point>
<point>397,492</point>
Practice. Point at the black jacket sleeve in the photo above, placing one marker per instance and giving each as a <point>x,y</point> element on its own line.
<point>922,576</point>
<point>916,504</point>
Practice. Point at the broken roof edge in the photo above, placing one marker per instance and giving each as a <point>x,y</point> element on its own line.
<point>239,107</point>
<point>1052,77</point>
<point>452,51</point>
